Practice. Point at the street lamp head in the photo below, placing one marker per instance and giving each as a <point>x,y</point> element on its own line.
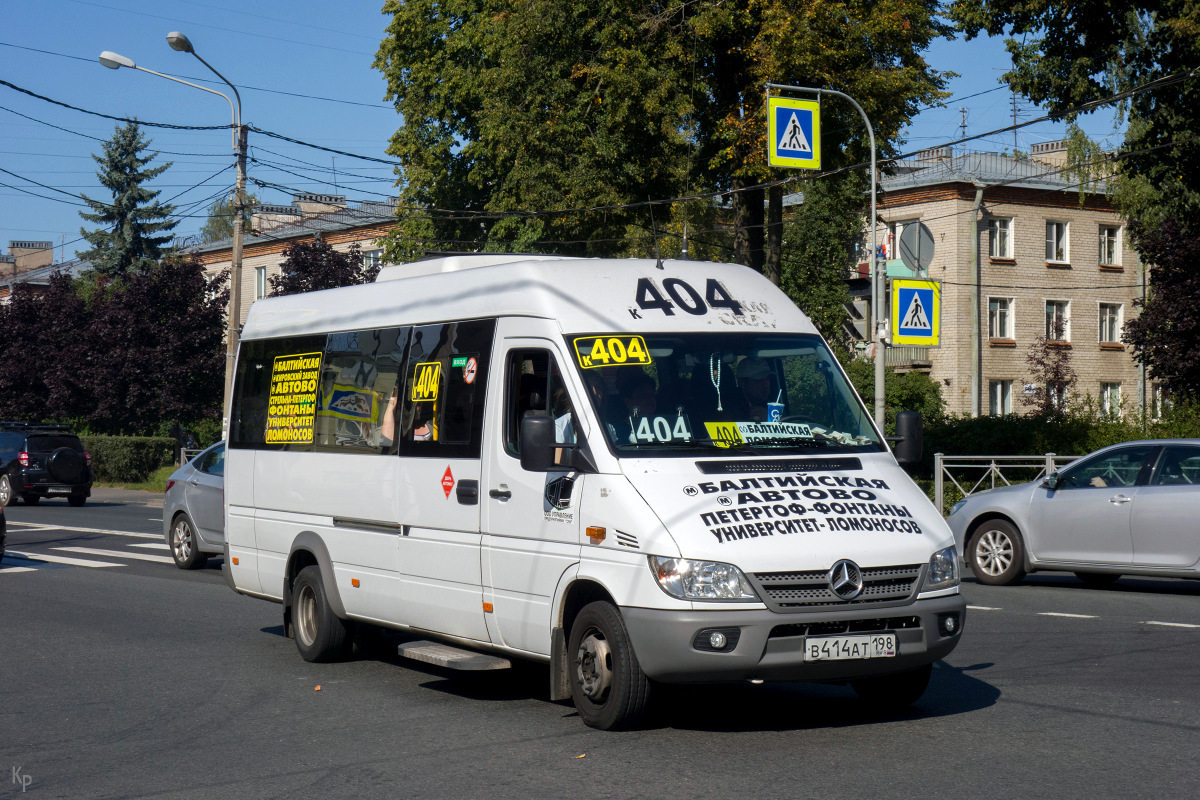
<point>115,60</point>
<point>179,42</point>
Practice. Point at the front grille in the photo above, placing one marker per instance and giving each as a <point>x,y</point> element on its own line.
<point>802,591</point>
<point>845,626</point>
<point>781,465</point>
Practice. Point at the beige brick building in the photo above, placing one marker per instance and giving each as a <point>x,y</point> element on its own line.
<point>1015,234</point>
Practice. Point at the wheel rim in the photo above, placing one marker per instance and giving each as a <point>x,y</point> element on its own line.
<point>994,552</point>
<point>306,615</point>
<point>593,666</point>
<point>5,490</point>
<point>181,541</point>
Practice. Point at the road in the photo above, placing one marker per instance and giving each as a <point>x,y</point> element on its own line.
<point>141,680</point>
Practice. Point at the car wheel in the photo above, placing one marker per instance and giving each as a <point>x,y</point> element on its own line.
<point>31,499</point>
<point>6,491</point>
<point>893,692</point>
<point>183,544</point>
<point>997,554</point>
<point>320,634</point>
<point>607,683</point>
<point>76,500</point>
<point>1097,579</point>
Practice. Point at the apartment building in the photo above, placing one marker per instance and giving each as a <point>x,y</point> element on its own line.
<point>1020,254</point>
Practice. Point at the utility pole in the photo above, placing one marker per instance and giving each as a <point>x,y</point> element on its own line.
<point>235,286</point>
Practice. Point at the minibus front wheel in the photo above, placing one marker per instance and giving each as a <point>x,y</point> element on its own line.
<point>607,683</point>
<point>320,634</point>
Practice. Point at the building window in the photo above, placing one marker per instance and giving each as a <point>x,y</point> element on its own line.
<point>1110,323</point>
<point>999,397</point>
<point>1000,237</point>
<point>1110,245</point>
<point>1058,242</point>
<point>1160,401</point>
<point>372,259</point>
<point>1000,318</point>
<point>1110,399</point>
<point>1058,320</point>
<point>260,283</point>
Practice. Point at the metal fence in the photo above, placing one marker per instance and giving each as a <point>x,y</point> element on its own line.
<point>973,474</point>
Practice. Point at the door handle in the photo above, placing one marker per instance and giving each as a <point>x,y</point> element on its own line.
<point>468,492</point>
<point>1119,499</point>
<point>500,494</point>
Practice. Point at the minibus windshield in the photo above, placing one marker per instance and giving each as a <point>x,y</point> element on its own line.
<point>727,393</point>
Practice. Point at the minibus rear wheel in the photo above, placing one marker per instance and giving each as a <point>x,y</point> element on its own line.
<point>607,683</point>
<point>320,634</point>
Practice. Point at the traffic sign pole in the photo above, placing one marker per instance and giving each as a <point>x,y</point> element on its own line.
<point>878,315</point>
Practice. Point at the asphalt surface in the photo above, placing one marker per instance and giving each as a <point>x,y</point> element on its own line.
<point>141,680</point>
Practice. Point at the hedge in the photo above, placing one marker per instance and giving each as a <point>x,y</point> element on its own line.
<point>127,459</point>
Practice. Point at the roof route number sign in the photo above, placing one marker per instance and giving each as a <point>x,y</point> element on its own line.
<point>916,312</point>
<point>793,133</point>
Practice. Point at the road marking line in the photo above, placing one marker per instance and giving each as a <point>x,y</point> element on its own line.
<point>5,570</point>
<point>1170,624</point>
<point>1068,616</point>
<point>151,545</point>
<point>117,554</point>
<point>984,608</point>
<point>74,562</point>
<point>40,527</point>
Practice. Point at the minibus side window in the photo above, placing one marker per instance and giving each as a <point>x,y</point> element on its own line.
<point>258,361</point>
<point>358,398</point>
<point>444,386</point>
<point>534,385</point>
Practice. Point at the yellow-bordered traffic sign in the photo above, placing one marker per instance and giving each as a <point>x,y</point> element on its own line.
<point>793,132</point>
<point>916,312</point>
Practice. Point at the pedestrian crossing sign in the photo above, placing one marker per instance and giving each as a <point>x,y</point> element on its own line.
<point>793,133</point>
<point>916,312</point>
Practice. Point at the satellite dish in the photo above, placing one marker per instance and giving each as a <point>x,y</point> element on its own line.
<point>916,247</point>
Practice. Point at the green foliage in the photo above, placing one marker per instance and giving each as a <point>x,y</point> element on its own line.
<point>902,391</point>
<point>219,225</point>
<point>312,266</point>
<point>127,240</point>
<point>127,459</point>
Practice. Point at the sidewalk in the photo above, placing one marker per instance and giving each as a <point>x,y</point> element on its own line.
<point>104,494</point>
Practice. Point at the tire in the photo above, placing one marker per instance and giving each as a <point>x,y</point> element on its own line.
<point>66,465</point>
<point>894,692</point>
<point>31,499</point>
<point>320,634</point>
<point>76,500</point>
<point>997,553</point>
<point>607,683</point>
<point>7,497</point>
<point>1098,580</point>
<point>183,544</point>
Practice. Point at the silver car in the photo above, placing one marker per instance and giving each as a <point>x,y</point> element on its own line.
<point>194,508</point>
<point>1128,509</point>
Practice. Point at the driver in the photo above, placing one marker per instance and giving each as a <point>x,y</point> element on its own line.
<point>754,379</point>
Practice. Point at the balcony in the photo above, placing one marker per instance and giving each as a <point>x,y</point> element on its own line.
<point>909,358</point>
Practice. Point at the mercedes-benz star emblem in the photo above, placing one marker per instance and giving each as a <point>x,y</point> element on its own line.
<point>845,580</point>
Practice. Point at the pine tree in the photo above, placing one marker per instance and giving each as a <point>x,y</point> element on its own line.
<point>128,241</point>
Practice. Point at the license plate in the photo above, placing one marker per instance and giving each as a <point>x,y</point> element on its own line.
<point>844,648</point>
<point>58,491</point>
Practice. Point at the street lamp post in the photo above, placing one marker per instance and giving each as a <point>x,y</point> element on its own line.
<point>181,43</point>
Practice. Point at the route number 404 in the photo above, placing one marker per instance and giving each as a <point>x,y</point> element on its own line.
<point>683,295</point>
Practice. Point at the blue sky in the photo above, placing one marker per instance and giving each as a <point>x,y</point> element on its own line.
<point>273,51</point>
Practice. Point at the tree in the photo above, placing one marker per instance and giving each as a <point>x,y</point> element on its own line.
<point>39,353</point>
<point>128,242</point>
<point>1166,334</point>
<point>1049,360</point>
<point>311,266</point>
<point>219,225</point>
<point>511,108</point>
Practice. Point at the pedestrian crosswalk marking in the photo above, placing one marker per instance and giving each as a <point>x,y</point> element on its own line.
<point>53,559</point>
<point>7,570</point>
<point>31,526</point>
<point>151,545</point>
<point>94,551</point>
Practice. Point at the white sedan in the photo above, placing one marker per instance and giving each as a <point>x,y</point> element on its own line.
<point>1128,509</point>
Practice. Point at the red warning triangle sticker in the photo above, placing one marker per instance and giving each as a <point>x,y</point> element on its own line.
<point>448,482</point>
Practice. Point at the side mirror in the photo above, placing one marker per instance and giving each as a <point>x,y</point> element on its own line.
<point>537,443</point>
<point>1051,481</point>
<point>909,442</point>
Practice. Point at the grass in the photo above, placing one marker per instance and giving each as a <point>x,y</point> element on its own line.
<point>155,482</point>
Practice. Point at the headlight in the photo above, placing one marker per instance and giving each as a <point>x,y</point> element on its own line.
<point>701,580</point>
<point>954,509</point>
<point>943,570</point>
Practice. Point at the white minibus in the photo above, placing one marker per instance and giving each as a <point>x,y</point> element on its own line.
<point>637,472</point>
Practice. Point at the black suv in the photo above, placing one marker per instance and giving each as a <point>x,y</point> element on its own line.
<point>39,461</point>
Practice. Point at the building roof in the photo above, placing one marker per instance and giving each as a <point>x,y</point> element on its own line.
<point>363,215</point>
<point>41,275</point>
<point>986,168</point>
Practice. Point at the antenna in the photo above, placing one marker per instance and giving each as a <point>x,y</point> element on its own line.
<point>335,186</point>
<point>963,125</point>
<point>654,230</point>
